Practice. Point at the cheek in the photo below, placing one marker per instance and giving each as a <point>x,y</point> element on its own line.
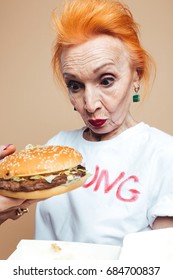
<point>76,101</point>
<point>72,100</point>
<point>122,93</point>
<point>117,101</point>
<point>112,101</point>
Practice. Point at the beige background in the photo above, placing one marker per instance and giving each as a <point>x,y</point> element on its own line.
<point>32,107</point>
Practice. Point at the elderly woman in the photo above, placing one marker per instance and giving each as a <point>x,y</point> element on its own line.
<point>99,59</point>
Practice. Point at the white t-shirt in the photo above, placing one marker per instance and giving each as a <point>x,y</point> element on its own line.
<point>131,184</point>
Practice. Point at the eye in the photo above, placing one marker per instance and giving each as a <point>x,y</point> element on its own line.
<point>107,81</point>
<point>74,86</point>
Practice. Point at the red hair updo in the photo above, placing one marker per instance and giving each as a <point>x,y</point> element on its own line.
<point>81,20</point>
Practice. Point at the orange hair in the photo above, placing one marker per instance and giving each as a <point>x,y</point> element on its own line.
<point>82,19</point>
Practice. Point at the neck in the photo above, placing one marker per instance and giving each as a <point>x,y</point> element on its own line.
<point>92,136</point>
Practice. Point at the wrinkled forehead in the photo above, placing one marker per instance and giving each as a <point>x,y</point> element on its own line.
<point>94,52</point>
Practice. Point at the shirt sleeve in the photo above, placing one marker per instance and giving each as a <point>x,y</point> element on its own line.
<point>161,204</point>
<point>163,208</point>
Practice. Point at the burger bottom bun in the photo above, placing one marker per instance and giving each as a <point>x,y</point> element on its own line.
<point>46,193</point>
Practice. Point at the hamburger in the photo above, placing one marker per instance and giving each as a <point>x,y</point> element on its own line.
<point>39,172</point>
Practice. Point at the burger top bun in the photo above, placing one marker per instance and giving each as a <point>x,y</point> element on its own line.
<point>35,160</point>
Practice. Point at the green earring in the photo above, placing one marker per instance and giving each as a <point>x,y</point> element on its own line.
<point>136,97</point>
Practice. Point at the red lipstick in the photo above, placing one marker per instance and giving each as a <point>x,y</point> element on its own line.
<point>97,122</point>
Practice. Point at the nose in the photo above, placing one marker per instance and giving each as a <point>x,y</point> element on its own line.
<point>91,100</point>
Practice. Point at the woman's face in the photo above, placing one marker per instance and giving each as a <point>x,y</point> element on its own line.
<point>100,81</point>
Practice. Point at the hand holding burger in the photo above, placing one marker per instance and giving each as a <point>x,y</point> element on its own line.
<point>41,172</point>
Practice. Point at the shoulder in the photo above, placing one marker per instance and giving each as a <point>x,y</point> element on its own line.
<point>159,137</point>
<point>160,146</point>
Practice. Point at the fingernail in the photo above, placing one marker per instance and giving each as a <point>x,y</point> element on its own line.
<point>7,147</point>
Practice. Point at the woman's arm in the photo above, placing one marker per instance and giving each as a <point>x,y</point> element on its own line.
<point>163,222</point>
<point>9,208</point>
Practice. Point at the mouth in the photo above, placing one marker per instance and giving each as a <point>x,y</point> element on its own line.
<point>97,122</point>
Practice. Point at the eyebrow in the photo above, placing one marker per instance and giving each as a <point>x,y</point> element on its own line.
<point>68,74</point>
<point>102,66</point>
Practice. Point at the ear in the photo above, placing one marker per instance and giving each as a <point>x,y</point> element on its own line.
<point>137,75</point>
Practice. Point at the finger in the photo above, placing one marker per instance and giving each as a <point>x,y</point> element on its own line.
<point>7,203</point>
<point>33,201</point>
<point>29,202</point>
<point>6,150</point>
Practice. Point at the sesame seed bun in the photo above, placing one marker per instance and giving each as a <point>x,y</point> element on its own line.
<point>40,161</point>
